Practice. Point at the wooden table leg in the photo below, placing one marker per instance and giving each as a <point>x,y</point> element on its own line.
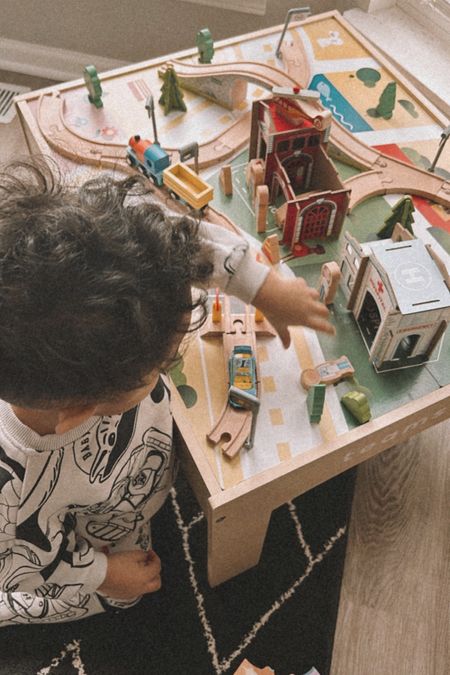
<point>236,534</point>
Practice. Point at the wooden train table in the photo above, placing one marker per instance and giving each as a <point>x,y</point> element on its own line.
<point>381,149</point>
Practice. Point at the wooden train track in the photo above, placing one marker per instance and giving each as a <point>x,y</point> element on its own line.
<point>233,425</point>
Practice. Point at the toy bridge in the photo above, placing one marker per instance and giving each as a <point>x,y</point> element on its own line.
<point>226,83</point>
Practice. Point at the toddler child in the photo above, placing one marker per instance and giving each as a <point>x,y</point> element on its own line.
<point>95,297</point>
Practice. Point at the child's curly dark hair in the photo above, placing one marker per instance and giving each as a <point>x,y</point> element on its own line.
<point>95,284</point>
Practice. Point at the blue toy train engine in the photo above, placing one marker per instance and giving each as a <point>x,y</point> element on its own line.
<point>149,157</point>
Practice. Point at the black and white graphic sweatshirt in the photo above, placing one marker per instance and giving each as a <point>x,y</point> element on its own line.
<point>64,498</point>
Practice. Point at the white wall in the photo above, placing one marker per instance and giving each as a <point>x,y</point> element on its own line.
<point>132,30</point>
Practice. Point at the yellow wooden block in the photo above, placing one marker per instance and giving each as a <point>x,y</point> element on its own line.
<point>276,416</point>
<point>268,384</point>
<point>284,451</point>
<point>262,353</point>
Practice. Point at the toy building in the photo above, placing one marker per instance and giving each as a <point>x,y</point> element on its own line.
<point>399,295</point>
<point>289,135</point>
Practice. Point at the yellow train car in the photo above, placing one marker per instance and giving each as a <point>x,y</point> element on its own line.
<point>186,184</point>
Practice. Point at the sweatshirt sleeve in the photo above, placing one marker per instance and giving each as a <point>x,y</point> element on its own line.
<point>25,568</point>
<point>39,544</point>
<point>236,270</point>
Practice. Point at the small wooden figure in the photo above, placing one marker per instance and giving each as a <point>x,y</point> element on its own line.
<point>261,206</point>
<point>330,277</point>
<point>171,94</point>
<point>225,180</point>
<point>271,249</point>
<point>205,45</point>
<point>93,86</point>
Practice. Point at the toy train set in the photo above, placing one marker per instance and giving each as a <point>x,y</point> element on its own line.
<point>182,183</point>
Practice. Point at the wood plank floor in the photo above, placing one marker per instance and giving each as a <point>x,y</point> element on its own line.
<point>394,612</point>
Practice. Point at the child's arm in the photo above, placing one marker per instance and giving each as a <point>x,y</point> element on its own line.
<point>291,302</point>
<point>285,301</point>
<point>131,573</point>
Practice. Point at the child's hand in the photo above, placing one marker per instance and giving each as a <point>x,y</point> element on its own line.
<point>291,302</point>
<point>131,573</point>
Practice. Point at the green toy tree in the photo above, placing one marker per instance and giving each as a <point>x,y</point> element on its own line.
<point>401,213</point>
<point>171,94</point>
<point>386,103</point>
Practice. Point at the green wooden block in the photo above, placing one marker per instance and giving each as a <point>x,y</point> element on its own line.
<point>357,403</point>
<point>315,401</point>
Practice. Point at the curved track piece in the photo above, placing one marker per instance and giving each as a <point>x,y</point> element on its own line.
<point>67,143</point>
<point>387,175</point>
<point>234,425</point>
<point>383,174</point>
<point>107,155</point>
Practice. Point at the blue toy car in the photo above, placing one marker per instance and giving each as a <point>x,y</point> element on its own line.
<point>242,371</point>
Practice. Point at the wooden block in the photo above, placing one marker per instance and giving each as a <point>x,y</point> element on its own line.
<point>309,378</point>
<point>330,277</point>
<point>400,233</point>
<point>226,180</point>
<point>259,316</point>
<point>280,216</point>
<point>254,176</point>
<point>271,249</point>
<point>315,402</point>
<point>261,206</point>
<point>439,264</point>
<point>356,402</point>
<point>216,312</point>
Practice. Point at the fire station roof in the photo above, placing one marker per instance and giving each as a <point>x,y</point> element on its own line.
<point>413,275</point>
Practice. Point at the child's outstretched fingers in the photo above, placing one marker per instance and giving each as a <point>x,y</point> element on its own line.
<point>291,302</point>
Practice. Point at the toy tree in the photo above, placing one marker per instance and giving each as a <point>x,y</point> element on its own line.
<point>171,94</point>
<point>401,213</point>
<point>205,45</point>
<point>93,86</point>
<point>386,103</point>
